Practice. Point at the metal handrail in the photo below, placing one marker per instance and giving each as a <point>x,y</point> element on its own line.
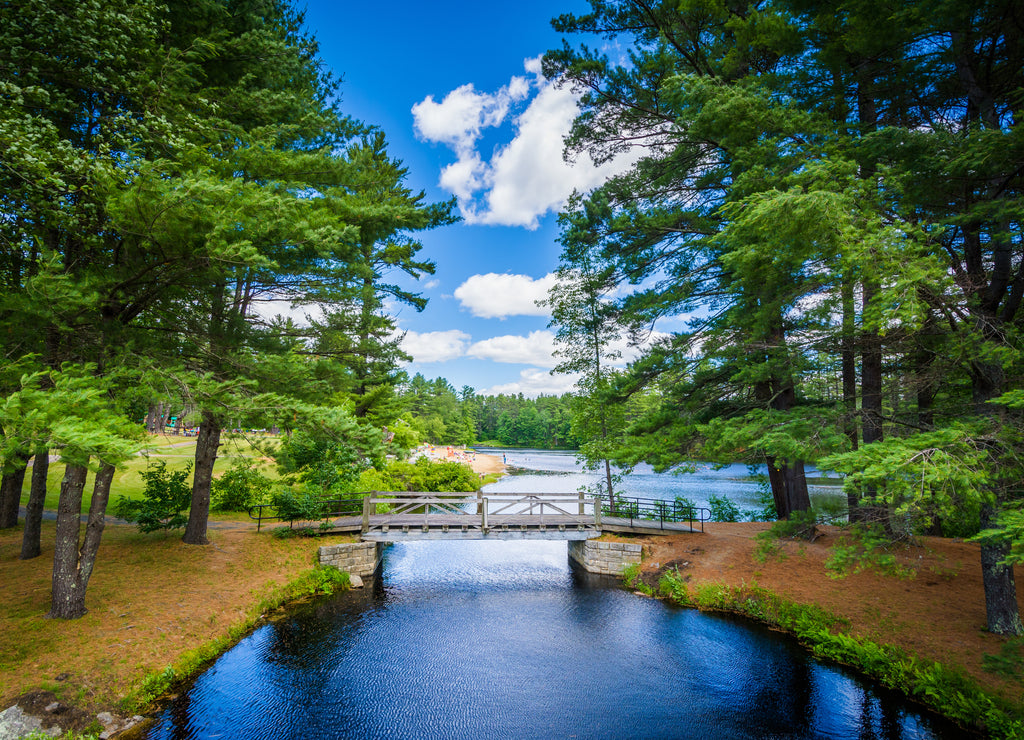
<point>327,507</point>
<point>658,510</point>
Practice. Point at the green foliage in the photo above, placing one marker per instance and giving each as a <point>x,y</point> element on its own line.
<point>325,462</point>
<point>767,512</point>
<point>1010,660</point>
<point>865,546</point>
<point>298,504</point>
<point>672,585</point>
<point>722,509</point>
<point>633,578</point>
<point>165,499</point>
<point>322,580</point>
<point>1010,530</point>
<point>801,525</point>
<point>422,475</point>
<point>241,487</point>
<point>945,474</point>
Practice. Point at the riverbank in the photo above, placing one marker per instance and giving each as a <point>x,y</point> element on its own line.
<point>152,600</point>
<point>936,614</point>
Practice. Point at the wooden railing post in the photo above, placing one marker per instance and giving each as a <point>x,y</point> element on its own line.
<point>597,512</point>
<point>367,502</point>
<point>483,513</point>
<point>582,505</point>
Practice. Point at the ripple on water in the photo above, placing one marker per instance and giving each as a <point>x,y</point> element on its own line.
<point>483,640</point>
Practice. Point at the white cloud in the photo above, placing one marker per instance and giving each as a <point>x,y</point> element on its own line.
<point>431,284</point>
<point>494,295</point>
<point>528,176</point>
<point>300,314</point>
<point>436,346</point>
<point>534,382</point>
<point>459,119</point>
<point>535,349</point>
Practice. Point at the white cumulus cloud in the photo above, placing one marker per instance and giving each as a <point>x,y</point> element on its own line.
<point>535,349</point>
<point>534,382</point>
<point>497,296</point>
<point>436,346</point>
<point>459,119</point>
<point>527,177</point>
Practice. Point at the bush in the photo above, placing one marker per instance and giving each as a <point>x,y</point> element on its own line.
<point>863,547</point>
<point>165,500</point>
<point>301,505</point>
<point>722,509</point>
<point>240,488</point>
<point>422,475</point>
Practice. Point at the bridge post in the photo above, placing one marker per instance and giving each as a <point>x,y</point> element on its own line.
<point>367,502</point>
<point>582,510</point>
<point>597,511</point>
<point>483,514</point>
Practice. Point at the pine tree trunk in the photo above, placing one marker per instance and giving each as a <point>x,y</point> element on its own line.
<point>30,540</point>
<point>608,478</point>
<point>789,487</point>
<point>10,493</point>
<point>848,352</point>
<point>1001,607</point>
<point>207,443</point>
<point>66,600</point>
<point>94,527</point>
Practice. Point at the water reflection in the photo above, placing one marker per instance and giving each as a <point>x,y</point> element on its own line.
<point>481,640</point>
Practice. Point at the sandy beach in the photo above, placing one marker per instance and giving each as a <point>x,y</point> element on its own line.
<point>478,462</point>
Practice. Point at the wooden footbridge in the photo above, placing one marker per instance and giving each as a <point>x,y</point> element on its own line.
<point>395,517</point>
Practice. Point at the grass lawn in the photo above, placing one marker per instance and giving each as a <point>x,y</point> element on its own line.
<point>176,452</point>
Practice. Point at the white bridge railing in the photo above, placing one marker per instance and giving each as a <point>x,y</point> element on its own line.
<point>482,513</point>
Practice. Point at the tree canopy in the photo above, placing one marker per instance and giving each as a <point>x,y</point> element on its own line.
<point>828,203</point>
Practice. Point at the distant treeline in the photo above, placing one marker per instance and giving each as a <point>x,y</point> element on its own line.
<point>440,414</point>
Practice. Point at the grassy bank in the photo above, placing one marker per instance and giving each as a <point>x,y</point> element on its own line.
<point>921,632</point>
<point>945,690</point>
<point>154,604</point>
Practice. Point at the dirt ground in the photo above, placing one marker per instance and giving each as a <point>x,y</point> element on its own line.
<point>938,614</point>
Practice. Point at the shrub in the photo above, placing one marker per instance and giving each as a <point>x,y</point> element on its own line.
<point>241,487</point>
<point>165,500</point>
<point>422,475</point>
<point>298,505</point>
<point>863,547</point>
<point>722,509</point>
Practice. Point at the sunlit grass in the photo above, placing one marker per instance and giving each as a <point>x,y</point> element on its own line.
<point>177,452</point>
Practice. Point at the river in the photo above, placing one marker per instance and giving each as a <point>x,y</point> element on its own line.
<point>505,640</point>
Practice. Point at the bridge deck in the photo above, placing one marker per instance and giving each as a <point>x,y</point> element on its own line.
<point>387,529</point>
<point>431,516</point>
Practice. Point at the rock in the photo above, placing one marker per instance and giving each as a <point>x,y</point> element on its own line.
<point>53,706</point>
<point>355,581</point>
<point>15,724</point>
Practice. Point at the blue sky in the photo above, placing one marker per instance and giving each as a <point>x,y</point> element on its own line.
<point>457,89</point>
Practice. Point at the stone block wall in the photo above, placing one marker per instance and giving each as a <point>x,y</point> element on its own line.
<point>356,558</point>
<point>607,558</point>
